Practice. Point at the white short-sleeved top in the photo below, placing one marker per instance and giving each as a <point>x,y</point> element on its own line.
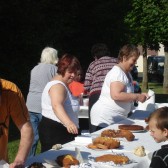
<point>47,110</point>
<point>106,111</point>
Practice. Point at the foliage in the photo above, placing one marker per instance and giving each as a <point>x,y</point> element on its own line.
<point>148,22</point>
<point>148,19</point>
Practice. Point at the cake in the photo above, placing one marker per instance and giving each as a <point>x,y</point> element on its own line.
<point>131,127</point>
<point>118,134</point>
<point>140,151</point>
<point>117,159</point>
<point>104,143</point>
<point>67,160</point>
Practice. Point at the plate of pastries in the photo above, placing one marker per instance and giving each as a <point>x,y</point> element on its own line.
<point>110,139</point>
<point>104,143</point>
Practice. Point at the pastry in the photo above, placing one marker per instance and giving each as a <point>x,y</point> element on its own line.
<point>104,143</point>
<point>118,134</point>
<point>117,159</point>
<point>67,160</point>
<point>131,127</point>
<point>140,151</point>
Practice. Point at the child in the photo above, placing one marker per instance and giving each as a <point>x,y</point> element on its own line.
<point>158,126</point>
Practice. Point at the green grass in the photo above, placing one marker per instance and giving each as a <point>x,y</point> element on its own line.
<point>156,87</point>
<point>13,148</point>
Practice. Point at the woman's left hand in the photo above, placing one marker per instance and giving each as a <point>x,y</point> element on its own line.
<point>72,128</point>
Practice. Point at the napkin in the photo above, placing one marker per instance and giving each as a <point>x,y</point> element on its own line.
<point>78,155</point>
<point>83,139</point>
<point>3,164</point>
<point>149,104</point>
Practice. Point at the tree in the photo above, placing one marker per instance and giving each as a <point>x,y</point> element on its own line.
<point>148,27</point>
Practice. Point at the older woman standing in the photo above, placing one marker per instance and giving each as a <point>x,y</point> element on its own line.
<point>41,74</point>
<point>117,97</point>
<point>59,122</point>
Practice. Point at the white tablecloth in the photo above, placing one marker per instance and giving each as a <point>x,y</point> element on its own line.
<point>141,139</point>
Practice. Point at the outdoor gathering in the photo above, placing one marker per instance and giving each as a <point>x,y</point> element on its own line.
<point>84,84</point>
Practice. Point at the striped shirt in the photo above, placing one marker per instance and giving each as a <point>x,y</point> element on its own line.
<point>96,73</point>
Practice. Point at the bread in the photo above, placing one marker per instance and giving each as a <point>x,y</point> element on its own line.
<point>117,159</point>
<point>140,151</point>
<point>118,134</point>
<point>131,127</point>
<point>104,143</point>
<point>67,160</point>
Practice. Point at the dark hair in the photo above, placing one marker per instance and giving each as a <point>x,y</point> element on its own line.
<point>128,51</point>
<point>68,62</point>
<point>99,50</point>
<point>161,116</point>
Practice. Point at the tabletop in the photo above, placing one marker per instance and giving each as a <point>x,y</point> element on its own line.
<point>142,138</point>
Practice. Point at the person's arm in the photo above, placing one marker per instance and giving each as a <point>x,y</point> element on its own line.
<point>24,146</point>
<point>57,105</point>
<point>117,93</point>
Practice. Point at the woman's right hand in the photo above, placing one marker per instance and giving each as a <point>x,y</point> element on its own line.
<point>72,128</point>
<point>142,97</point>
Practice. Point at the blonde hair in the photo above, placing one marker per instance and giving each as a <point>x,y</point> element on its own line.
<point>49,56</point>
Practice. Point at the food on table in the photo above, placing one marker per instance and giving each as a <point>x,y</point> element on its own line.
<point>67,160</point>
<point>140,151</point>
<point>104,143</point>
<point>57,146</point>
<point>92,146</point>
<point>131,127</point>
<point>117,159</point>
<point>118,134</point>
<point>36,165</point>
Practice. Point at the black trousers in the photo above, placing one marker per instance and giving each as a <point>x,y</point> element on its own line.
<point>52,132</point>
<point>92,100</point>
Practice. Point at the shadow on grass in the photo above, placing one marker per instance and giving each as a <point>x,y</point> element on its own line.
<point>161,98</point>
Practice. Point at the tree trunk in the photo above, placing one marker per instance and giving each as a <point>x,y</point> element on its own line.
<point>145,76</point>
<point>165,75</point>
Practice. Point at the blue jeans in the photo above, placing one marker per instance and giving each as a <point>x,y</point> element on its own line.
<point>35,119</point>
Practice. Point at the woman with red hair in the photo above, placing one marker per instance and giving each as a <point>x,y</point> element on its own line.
<point>59,122</point>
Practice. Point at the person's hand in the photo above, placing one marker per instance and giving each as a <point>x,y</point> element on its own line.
<point>71,128</point>
<point>142,97</point>
<point>17,164</point>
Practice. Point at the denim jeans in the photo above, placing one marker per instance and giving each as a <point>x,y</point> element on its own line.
<point>35,119</point>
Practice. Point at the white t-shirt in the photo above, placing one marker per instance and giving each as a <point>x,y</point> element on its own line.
<point>47,110</point>
<point>106,111</point>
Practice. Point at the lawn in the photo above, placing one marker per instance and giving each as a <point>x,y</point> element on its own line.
<point>14,133</point>
<point>156,87</point>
